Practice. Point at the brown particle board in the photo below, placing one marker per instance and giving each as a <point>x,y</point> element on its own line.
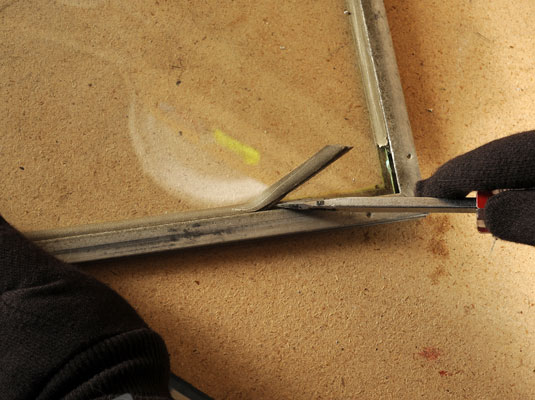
<point>422,309</point>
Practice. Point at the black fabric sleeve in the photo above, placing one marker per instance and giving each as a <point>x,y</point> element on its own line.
<point>64,335</point>
<point>507,163</point>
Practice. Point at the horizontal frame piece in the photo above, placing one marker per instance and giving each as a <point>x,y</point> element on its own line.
<point>393,137</point>
<point>178,235</point>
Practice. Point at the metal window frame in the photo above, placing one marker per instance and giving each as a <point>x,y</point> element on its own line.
<point>393,137</point>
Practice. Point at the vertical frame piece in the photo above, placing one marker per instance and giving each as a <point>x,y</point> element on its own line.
<point>384,94</point>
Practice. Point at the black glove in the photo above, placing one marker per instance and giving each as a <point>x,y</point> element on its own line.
<point>64,335</point>
<point>507,163</point>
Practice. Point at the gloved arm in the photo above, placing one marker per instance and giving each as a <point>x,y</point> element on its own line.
<point>64,335</point>
<point>507,163</point>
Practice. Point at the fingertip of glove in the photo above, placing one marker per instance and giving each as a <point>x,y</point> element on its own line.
<point>510,216</point>
<point>419,190</point>
<point>429,188</point>
<point>6,228</point>
<point>426,188</point>
<point>3,222</point>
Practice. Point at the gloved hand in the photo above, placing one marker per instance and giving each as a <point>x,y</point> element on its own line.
<point>64,335</point>
<point>507,163</point>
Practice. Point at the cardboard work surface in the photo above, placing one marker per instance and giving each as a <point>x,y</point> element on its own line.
<point>422,309</point>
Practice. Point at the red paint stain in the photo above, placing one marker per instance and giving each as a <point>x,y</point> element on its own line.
<point>443,373</point>
<point>429,353</point>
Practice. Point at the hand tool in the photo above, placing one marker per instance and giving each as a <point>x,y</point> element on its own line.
<point>397,204</point>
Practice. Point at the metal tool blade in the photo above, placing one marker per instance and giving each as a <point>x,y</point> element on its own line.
<point>386,204</point>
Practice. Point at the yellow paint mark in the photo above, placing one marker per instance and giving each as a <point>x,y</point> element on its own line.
<point>249,155</point>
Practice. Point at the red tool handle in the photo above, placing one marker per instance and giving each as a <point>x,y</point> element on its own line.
<point>481,201</point>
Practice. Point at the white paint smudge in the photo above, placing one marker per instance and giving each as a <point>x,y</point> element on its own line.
<point>182,167</point>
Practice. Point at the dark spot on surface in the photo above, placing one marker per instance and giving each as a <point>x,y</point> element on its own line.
<point>180,133</point>
<point>439,272</point>
<point>440,223</point>
<point>197,282</point>
<point>468,309</point>
<point>430,353</point>
<point>437,246</point>
<point>90,84</point>
<point>178,82</point>
<point>443,373</point>
<point>21,168</point>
